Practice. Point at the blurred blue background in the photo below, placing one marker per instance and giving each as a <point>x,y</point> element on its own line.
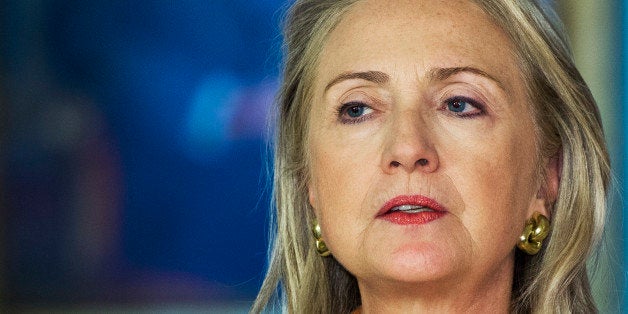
<point>135,149</point>
<point>134,146</point>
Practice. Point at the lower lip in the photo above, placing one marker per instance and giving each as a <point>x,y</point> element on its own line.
<point>401,218</point>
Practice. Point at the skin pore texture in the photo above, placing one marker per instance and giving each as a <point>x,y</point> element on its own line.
<point>424,99</point>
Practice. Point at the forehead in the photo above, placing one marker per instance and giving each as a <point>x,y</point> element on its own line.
<point>403,35</point>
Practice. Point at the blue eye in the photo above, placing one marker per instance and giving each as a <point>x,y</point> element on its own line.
<point>464,107</point>
<point>355,111</point>
<point>456,105</point>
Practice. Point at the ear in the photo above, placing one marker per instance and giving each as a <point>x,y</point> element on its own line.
<point>548,190</point>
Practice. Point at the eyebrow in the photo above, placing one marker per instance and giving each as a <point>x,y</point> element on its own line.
<point>371,76</point>
<point>441,74</point>
<point>436,74</point>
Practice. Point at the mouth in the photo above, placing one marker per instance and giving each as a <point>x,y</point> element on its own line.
<point>411,210</point>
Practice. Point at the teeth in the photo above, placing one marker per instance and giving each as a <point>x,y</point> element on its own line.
<point>411,209</point>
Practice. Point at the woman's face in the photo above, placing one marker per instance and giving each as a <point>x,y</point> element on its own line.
<point>423,149</point>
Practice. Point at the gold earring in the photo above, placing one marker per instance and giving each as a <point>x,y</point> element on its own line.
<point>321,247</point>
<point>536,230</point>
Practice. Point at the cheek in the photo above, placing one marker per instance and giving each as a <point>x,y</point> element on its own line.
<point>339,175</point>
<point>343,175</point>
<point>498,180</point>
<point>342,159</point>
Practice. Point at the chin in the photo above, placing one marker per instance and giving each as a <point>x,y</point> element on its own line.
<point>421,263</point>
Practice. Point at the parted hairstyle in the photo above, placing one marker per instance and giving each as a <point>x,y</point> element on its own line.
<point>568,127</point>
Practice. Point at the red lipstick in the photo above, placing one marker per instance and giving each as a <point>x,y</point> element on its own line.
<point>411,210</point>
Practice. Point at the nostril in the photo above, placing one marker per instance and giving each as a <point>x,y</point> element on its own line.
<point>395,164</point>
<point>422,162</point>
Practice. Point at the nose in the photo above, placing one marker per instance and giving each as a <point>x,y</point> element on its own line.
<point>409,145</point>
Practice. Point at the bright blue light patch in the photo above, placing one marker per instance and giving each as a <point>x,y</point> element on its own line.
<point>206,131</point>
<point>250,119</point>
<point>223,111</point>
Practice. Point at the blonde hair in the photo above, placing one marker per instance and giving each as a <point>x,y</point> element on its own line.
<point>568,126</point>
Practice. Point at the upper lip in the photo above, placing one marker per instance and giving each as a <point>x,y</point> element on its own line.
<point>417,200</point>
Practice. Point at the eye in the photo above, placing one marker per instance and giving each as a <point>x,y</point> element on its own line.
<point>353,112</point>
<point>463,107</point>
<point>456,105</point>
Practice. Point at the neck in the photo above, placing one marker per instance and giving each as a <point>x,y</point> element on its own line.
<point>467,294</point>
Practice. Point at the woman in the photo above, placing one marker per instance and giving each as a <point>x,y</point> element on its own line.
<point>447,154</point>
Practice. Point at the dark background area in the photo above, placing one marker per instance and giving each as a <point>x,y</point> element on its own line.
<point>134,144</point>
